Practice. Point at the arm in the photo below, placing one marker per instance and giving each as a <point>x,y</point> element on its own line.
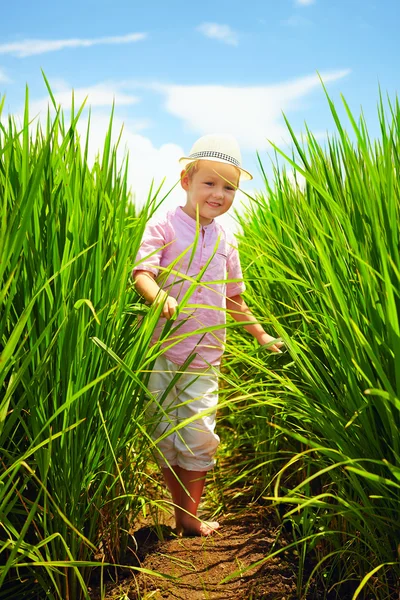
<point>147,287</point>
<point>239,310</point>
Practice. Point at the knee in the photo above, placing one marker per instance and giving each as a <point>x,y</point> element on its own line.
<point>197,445</point>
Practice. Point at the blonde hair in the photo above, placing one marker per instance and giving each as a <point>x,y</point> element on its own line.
<point>191,169</point>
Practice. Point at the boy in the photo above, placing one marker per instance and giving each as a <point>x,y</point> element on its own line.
<point>210,179</point>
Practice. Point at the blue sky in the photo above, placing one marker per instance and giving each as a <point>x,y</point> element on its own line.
<point>178,70</point>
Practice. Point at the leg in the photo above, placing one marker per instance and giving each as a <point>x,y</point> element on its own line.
<point>196,442</point>
<point>188,523</point>
<point>196,446</point>
<point>161,415</point>
<point>175,489</point>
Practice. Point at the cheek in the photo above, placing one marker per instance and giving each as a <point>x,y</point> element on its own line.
<point>227,204</point>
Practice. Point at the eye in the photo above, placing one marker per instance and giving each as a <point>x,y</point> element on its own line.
<point>230,189</point>
<point>208,182</point>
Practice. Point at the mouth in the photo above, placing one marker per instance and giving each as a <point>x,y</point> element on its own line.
<point>214,204</point>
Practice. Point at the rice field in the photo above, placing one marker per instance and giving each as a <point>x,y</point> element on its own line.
<point>316,430</point>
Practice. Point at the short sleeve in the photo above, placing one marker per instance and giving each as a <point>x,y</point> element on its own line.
<point>149,256</point>
<point>234,271</point>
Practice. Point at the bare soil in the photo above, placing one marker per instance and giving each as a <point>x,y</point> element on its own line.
<point>215,568</point>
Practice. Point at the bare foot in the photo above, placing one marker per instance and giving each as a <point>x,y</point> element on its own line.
<point>191,526</point>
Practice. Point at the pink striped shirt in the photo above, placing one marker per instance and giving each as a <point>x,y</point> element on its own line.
<point>171,240</point>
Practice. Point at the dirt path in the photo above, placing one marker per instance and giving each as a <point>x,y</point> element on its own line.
<point>197,566</point>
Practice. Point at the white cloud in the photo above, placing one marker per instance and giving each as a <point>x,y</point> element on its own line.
<point>222,33</point>
<point>102,94</point>
<point>253,114</point>
<point>305,2</point>
<point>296,179</point>
<point>146,161</point>
<point>30,47</point>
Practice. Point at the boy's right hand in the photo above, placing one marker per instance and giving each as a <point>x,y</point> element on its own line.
<point>169,304</point>
<point>147,286</point>
<point>169,308</point>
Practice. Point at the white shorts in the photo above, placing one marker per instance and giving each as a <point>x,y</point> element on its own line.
<point>194,394</point>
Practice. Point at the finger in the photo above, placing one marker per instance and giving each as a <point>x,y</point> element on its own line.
<point>278,344</point>
<point>275,348</point>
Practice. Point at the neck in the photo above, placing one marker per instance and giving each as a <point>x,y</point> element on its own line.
<point>202,220</point>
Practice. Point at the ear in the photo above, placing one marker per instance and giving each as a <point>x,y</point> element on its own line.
<point>185,180</point>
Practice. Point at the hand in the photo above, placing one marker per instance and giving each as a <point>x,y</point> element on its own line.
<point>265,339</point>
<point>169,304</point>
<point>169,308</point>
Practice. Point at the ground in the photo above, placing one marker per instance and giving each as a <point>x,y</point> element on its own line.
<point>196,567</point>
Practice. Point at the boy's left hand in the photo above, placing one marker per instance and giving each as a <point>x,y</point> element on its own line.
<point>265,339</point>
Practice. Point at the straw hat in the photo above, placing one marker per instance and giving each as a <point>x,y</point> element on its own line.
<point>219,148</point>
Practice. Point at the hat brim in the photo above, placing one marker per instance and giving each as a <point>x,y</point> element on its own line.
<point>185,160</point>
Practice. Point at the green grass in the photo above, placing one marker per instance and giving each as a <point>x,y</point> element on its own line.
<point>323,267</point>
<point>72,438</point>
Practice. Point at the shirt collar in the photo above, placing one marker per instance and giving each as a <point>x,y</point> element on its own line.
<point>180,213</point>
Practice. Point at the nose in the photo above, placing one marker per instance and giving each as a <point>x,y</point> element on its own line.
<point>218,193</point>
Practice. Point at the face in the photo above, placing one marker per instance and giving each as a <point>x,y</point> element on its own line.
<point>212,188</point>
